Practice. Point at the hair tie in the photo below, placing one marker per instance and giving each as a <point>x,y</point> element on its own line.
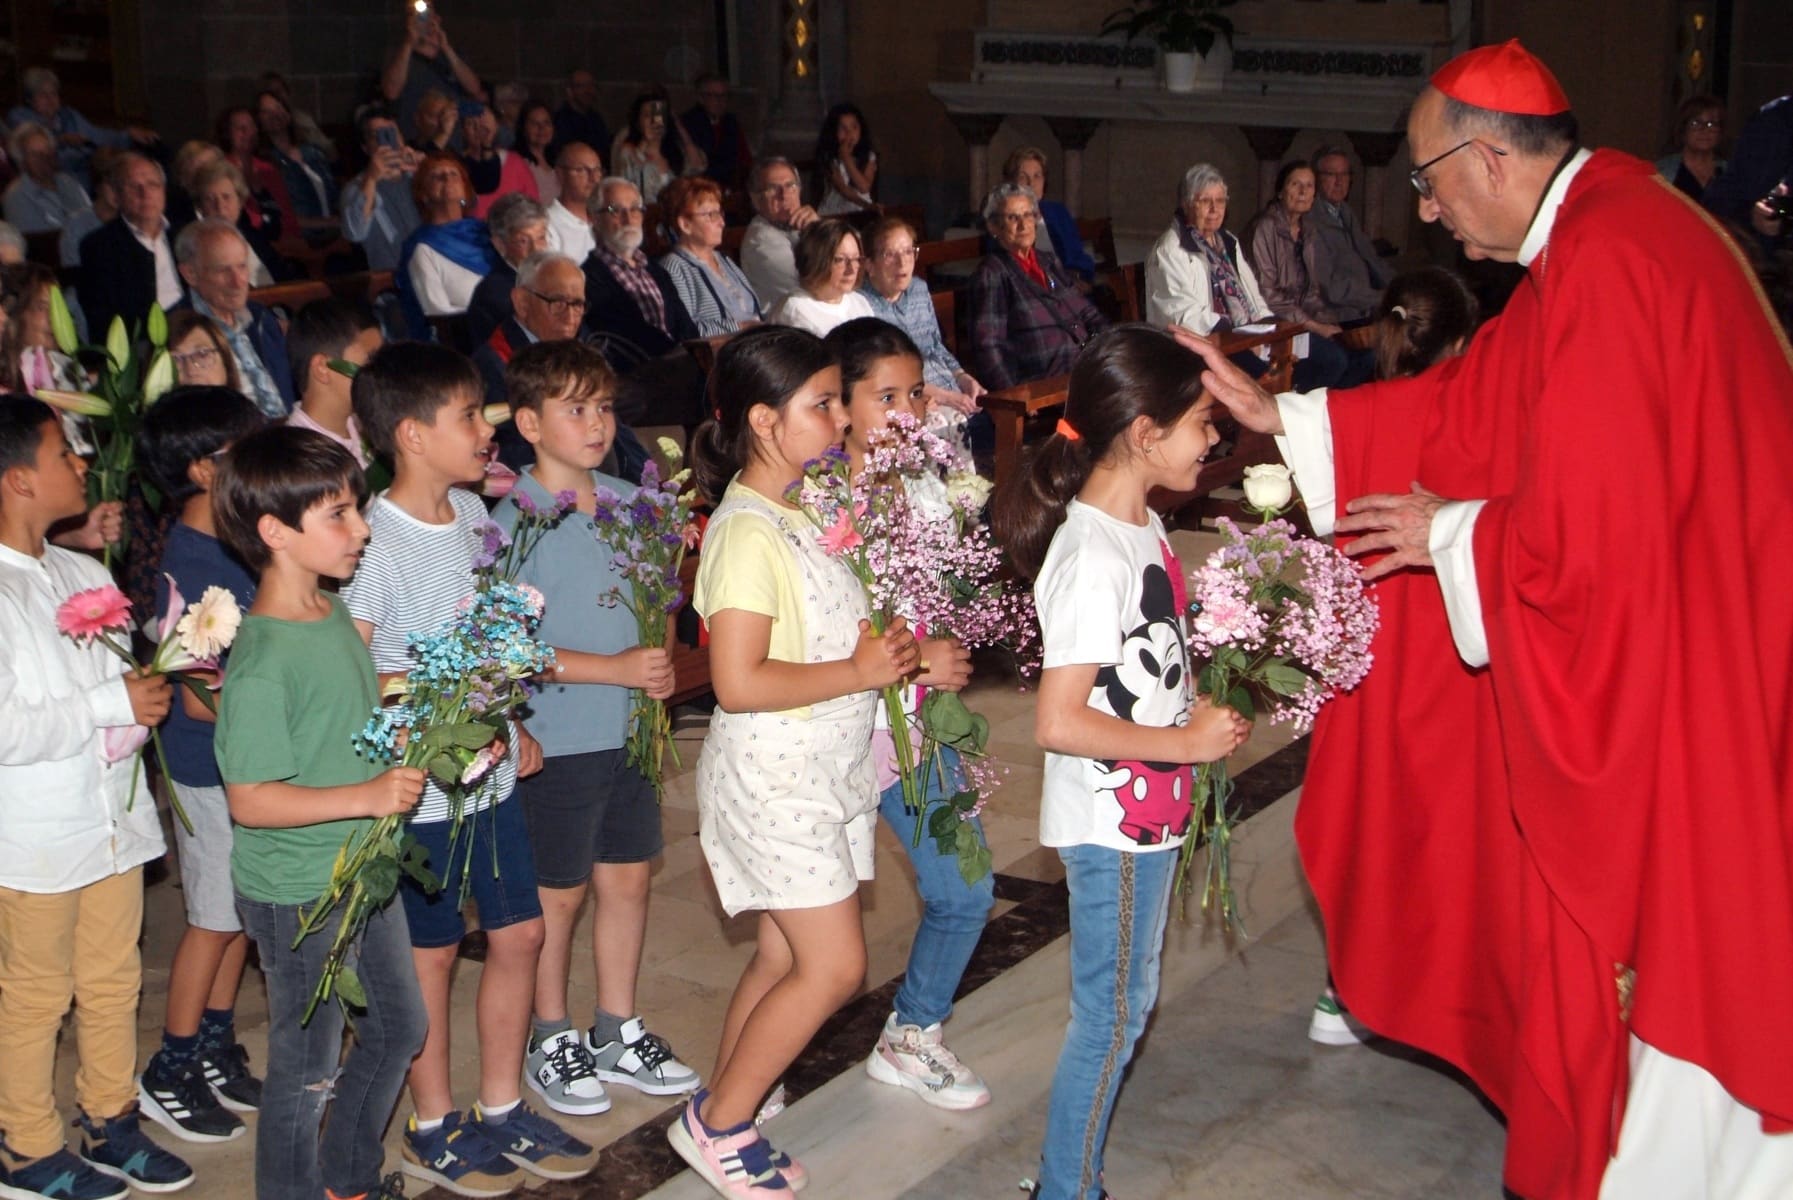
<point>1399,311</point>
<point>1066,431</point>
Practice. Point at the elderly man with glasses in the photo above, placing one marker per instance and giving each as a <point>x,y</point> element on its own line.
<point>1028,320</point>
<point>547,303</point>
<point>1350,272</point>
<point>769,249</point>
<point>519,228</point>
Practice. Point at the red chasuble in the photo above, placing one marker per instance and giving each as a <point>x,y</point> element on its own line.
<point>1492,848</point>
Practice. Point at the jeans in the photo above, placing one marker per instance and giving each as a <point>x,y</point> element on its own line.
<point>1120,902</point>
<point>291,1162</point>
<point>953,911</point>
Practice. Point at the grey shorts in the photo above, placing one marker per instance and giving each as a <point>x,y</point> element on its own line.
<point>205,859</point>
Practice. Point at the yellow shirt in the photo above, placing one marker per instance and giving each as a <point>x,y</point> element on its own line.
<point>748,564</point>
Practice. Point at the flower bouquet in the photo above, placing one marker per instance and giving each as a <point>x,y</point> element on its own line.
<point>190,641</point>
<point>1280,624</point>
<point>125,389</point>
<point>449,714</point>
<point>650,534</point>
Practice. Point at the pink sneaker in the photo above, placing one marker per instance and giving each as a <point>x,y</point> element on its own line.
<point>736,1162</point>
<point>794,1172</point>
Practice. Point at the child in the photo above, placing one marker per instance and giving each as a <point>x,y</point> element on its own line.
<point>1115,713</point>
<point>200,1074</point>
<point>419,405</point>
<point>594,820</point>
<point>785,786</point>
<point>1423,318</point>
<point>74,836</point>
<point>881,372</point>
<point>321,331</point>
<point>287,502</point>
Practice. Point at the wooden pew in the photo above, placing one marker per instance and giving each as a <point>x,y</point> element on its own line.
<point>291,296</point>
<point>947,317</point>
<point>930,257</point>
<point>690,664</point>
<point>1099,233</point>
<point>1011,408</point>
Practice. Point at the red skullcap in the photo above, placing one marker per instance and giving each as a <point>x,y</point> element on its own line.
<point>1506,78</point>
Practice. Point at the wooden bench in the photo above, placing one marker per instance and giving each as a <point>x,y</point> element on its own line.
<point>1011,408</point>
<point>362,287</point>
<point>690,664</point>
<point>946,316</point>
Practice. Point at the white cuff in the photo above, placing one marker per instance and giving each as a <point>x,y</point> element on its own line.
<point>1452,543</point>
<point>1306,445</point>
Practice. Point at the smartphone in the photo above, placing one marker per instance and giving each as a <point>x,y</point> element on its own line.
<point>387,136</point>
<point>422,9</point>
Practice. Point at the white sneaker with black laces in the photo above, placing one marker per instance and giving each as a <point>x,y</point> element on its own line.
<point>908,1056</point>
<point>562,1073</point>
<point>642,1061</point>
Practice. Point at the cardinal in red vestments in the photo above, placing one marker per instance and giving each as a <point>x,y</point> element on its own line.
<point>1552,833</point>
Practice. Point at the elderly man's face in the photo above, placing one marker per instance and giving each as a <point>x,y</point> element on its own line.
<point>1335,178</point>
<point>39,157</point>
<point>778,198</point>
<point>553,307</point>
<point>1016,226</point>
<point>618,223</point>
<point>532,238</point>
<point>1031,174</point>
<point>582,90</point>
<point>220,273</point>
<point>1206,210</point>
<point>1462,199</point>
<point>579,172</point>
<point>143,195</point>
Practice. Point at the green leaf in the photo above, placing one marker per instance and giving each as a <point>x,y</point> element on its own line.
<point>471,736</point>
<point>445,768</point>
<point>974,856</point>
<point>1239,700</point>
<point>416,863</point>
<point>200,692</point>
<point>348,988</point>
<point>943,821</point>
<point>1283,679</point>
<point>156,326</point>
<point>62,323</point>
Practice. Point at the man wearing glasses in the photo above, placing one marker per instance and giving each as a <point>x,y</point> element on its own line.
<point>547,305</point>
<point>769,249</point>
<point>1351,273</point>
<point>1542,849</point>
<point>569,223</point>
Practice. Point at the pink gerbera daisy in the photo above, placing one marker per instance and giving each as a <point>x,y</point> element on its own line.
<point>93,613</point>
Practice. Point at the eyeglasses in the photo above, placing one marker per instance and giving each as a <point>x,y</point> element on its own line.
<point>706,214</point>
<point>623,210</point>
<point>897,256</point>
<point>1713,124</point>
<point>195,358</point>
<point>1025,218</point>
<point>778,189</point>
<point>572,169</point>
<point>560,306</point>
<point>848,260</point>
<point>1417,176</point>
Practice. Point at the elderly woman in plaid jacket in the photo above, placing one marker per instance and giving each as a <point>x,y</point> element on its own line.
<point>1028,318</point>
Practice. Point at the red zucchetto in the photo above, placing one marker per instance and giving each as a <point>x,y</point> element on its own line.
<point>1506,78</point>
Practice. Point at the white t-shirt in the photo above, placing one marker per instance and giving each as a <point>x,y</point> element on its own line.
<point>819,316</point>
<point>412,577</point>
<point>1112,594</point>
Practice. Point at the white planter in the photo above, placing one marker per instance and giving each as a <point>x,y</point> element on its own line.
<point>1195,72</point>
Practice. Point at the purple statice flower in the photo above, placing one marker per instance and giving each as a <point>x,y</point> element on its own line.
<point>525,503</point>
<point>493,542</point>
<point>564,502</point>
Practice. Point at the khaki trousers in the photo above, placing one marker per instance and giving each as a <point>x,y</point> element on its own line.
<point>78,947</point>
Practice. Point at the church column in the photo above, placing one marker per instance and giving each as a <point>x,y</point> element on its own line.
<point>1269,143</point>
<point>977,129</point>
<point>797,102</point>
<point>1073,134</point>
<point>1377,150</point>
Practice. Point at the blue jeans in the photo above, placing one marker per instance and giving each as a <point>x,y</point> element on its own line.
<point>1119,904</point>
<point>291,1162</point>
<point>953,911</point>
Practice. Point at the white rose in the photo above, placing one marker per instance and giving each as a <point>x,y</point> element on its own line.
<point>1269,487</point>
<point>968,490</point>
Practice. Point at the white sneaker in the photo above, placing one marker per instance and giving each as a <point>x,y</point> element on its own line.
<point>641,1060</point>
<point>908,1056</point>
<point>1329,1025</point>
<point>564,1075</point>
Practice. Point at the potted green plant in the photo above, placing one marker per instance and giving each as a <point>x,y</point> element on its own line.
<point>1187,31</point>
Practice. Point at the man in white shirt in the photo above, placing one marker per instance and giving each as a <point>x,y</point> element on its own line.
<point>769,249</point>
<point>569,228</point>
<point>128,263</point>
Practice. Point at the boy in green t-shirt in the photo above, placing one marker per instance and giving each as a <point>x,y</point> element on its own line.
<point>301,685</point>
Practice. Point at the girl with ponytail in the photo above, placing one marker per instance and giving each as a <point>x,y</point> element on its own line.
<point>786,792</point>
<point>1117,713</point>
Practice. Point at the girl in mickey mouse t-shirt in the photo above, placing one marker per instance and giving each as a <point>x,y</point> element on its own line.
<point>1117,712</point>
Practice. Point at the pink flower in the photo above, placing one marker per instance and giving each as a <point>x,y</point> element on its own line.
<point>498,482</point>
<point>482,762</point>
<point>93,613</point>
<point>537,602</point>
<point>119,742</point>
<point>841,536</point>
<point>171,615</point>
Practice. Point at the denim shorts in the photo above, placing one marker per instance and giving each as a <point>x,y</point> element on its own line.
<point>585,809</point>
<point>507,897</point>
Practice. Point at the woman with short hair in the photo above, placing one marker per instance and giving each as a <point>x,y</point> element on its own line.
<point>829,260</point>
<point>712,288</point>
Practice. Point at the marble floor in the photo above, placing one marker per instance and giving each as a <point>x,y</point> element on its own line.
<point>1228,1098</point>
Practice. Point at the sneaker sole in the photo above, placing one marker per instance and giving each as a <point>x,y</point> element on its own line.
<point>8,1192</point>
<point>153,1109</point>
<point>230,1102</point>
<point>1332,1029</point>
<point>883,1072</point>
<point>686,1147</point>
<point>579,1108</point>
<point>130,1181</point>
<point>542,1171</point>
<point>649,1089</point>
<point>459,1188</point>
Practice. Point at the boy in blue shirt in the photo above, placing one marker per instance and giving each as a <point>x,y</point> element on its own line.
<point>594,820</point>
<point>301,686</point>
<point>200,1074</point>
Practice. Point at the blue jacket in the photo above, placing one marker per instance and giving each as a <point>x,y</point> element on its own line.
<point>1061,226</point>
<point>269,340</point>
